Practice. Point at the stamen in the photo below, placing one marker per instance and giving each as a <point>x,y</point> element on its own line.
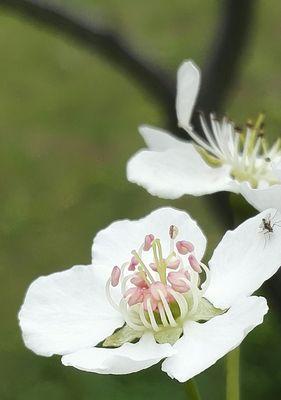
<point>207,132</point>
<point>195,299</point>
<point>143,318</point>
<point>179,281</point>
<point>134,262</point>
<point>194,263</point>
<point>143,265</point>
<point>184,247</point>
<point>153,266</point>
<point>124,284</point>
<point>199,141</point>
<point>148,242</point>
<point>181,302</point>
<point>115,276</point>
<point>139,280</point>
<point>207,280</point>
<point>173,232</point>
<point>154,290</point>
<point>134,296</point>
<point>108,295</point>
<point>162,315</point>
<point>245,151</point>
<point>173,263</point>
<point>167,309</point>
<point>153,298</point>
<point>160,261</point>
<point>151,316</point>
<point>127,317</point>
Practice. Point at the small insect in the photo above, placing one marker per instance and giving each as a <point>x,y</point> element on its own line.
<point>267,225</point>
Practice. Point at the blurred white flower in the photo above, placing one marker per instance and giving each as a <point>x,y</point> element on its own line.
<point>148,296</point>
<point>226,160</point>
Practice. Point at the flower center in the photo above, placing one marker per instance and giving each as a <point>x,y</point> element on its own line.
<point>159,290</point>
<point>246,151</point>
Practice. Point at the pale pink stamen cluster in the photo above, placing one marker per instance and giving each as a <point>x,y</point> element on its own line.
<point>151,288</point>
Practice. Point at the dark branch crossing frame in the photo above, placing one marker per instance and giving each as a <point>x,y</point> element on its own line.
<point>218,74</point>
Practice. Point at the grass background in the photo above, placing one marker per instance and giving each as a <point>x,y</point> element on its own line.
<point>68,123</point>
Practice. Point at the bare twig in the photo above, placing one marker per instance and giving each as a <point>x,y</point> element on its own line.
<point>225,53</point>
<point>103,40</point>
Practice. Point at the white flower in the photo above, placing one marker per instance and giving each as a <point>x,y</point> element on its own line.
<point>147,278</point>
<point>226,160</point>
<point>155,294</point>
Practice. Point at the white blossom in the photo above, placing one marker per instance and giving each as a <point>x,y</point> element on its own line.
<point>227,159</point>
<point>148,297</point>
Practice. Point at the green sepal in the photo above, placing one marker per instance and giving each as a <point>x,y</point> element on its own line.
<point>123,335</point>
<point>168,335</point>
<point>206,311</point>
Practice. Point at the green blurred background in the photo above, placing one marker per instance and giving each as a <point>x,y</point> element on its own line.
<point>68,124</point>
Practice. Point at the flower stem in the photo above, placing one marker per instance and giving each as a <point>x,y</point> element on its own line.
<point>192,390</point>
<point>232,375</point>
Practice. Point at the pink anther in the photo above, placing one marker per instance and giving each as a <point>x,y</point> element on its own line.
<point>115,276</point>
<point>153,266</point>
<point>194,263</point>
<point>138,280</point>
<point>157,287</point>
<point>148,242</point>
<point>184,247</point>
<point>173,263</point>
<point>153,302</point>
<point>134,262</point>
<point>134,296</point>
<point>179,281</point>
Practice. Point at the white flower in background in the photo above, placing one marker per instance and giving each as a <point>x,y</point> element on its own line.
<point>226,159</point>
<point>159,301</point>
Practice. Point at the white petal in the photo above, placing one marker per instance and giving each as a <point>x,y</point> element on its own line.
<point>243,260</point>
<point>160,140</point>
<point>188,82</point>
<point>123,360</point>
<point>113,245</point>
<point>67,311</point>
<point>263,198</point>
<point>203,344</point>
<point>172,173</point>
<point>276,169</point>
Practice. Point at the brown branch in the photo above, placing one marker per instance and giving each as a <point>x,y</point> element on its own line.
<point>104,41</point>
<point>226,52</point>
<point>220,67</point>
